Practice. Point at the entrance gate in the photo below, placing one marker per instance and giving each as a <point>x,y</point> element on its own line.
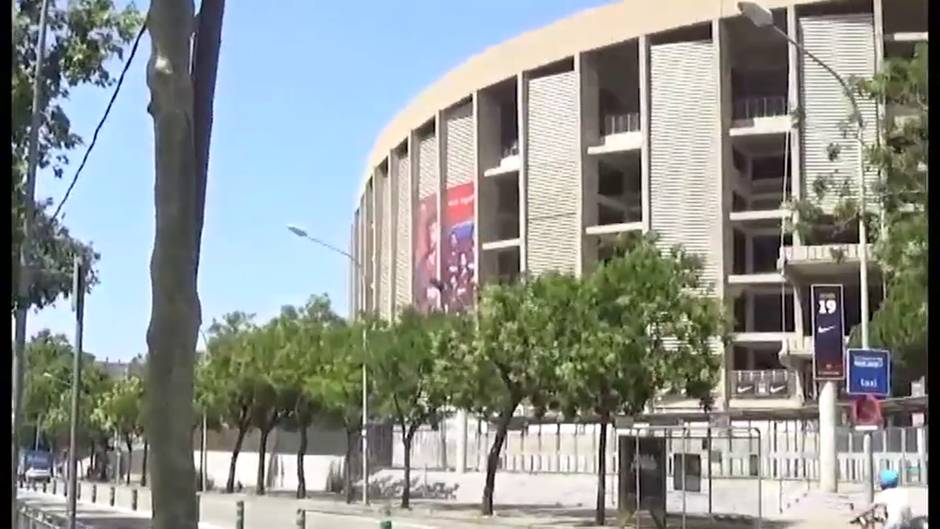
<point>644,467</point>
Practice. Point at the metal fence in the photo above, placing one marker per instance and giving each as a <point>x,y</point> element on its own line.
<point>789,451</point>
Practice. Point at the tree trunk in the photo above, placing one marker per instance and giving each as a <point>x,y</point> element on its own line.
<point>492,460</point>
<point>347,465</point>
<point>600,509</point>
<point>301,455</point>
<point>130,458</point>
<point>230,484</point>
<point>180,204</point>
<point>406,440</point>
<point>262,451</point>
<point>143,464</point>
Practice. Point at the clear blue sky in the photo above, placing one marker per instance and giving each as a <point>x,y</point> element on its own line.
<point>304,87</point>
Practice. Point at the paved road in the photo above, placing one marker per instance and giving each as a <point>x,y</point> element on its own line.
<point>325,511</point>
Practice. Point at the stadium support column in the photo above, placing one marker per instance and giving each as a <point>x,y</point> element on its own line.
<point>643,47</point>
<point>722,239</point>
<point>522,104</point>
<point>796,178</point>
<point>586,68</point>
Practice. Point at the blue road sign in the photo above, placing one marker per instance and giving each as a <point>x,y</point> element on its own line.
<point>869,372</point>
<point>828,332</point>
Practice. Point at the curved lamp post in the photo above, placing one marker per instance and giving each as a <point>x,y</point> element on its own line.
<point>762,17</point>
<point>302,233</point>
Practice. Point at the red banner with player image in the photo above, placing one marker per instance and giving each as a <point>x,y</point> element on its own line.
<point>459,260</point>
<point>426,295</point>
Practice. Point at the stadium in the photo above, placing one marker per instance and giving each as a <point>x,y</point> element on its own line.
<point>680,117</point>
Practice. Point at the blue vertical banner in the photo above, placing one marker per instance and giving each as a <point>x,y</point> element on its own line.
<point>828,332</point>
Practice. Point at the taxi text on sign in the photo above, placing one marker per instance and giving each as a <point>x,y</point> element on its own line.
<point>828,332</point>
<point>869,372</point>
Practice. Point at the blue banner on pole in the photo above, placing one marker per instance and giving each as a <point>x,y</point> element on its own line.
<point>869,372</point>
<point>828,333</point>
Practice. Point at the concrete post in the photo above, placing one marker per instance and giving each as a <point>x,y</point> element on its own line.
<point>828,479</point>
<point>869,470</point>
<point>462,441</point>
<point>922,455</point>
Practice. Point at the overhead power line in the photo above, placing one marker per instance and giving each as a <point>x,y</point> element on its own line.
<point>107,111</point>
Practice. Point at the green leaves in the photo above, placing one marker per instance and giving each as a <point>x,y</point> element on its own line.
<point>82,38</point>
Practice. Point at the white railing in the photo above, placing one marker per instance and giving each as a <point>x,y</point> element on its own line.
<point>760,107</point>
<point>618,123</point>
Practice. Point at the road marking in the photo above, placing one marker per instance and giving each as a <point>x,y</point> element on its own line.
<point>396,522</point>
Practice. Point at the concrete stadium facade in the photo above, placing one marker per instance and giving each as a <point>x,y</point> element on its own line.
<point>677,117</point>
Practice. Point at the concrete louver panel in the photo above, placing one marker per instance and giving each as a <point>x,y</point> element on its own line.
<point>386,260</point>
<point>368,263</point>
<point>428,181</point>
<point>685,175</point>
<point>552,173</point>
<point>459,147</point>
<point>379,181</point>
<point>403,231</point>
<point>847,44</point>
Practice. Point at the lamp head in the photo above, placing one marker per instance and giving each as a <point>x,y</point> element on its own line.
<point>300,232</point>
<point>759,15</point>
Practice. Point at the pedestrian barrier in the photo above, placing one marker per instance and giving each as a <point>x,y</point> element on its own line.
<point>240,514</point>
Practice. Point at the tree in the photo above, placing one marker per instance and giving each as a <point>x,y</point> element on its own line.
<point>82,37</point>
<point>509,357</point>
<point>638,325</point>
<point>403,368</point>
<point>299,363</point>
<point>119,410</point>
<point>181,105</point>
<point>338,381</point>
<point>901,159</point>
<point>227,381</point>
<point>47,379</point>
<point>266,349</point>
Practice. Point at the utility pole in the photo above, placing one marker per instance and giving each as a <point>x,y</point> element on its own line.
<point>25,254</point>
<point>78,304</point>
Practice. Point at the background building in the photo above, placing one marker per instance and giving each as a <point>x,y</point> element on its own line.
<point>677,116</point>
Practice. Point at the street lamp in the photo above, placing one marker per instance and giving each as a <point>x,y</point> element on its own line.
<point>302,233</point>
<point>761,17</point>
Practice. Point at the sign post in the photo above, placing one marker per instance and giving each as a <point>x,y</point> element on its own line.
<point>828,371</point>
<point>868,377</point>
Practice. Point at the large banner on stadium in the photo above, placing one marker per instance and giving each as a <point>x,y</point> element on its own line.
<point>426,234</point>
<point>458,259</point>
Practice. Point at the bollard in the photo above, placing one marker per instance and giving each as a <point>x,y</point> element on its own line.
<point>94,493</point>
<point>55,484</point>
<point>43,487</point>
<point>111,496</point>
<point>385,524</point>
<point>78,491</point>
<point>134,500</point>
<point>301,519</point>
<point>239,514</point>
